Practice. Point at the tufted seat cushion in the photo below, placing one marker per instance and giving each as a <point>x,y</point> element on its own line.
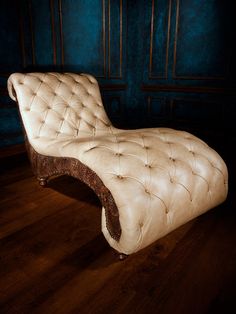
<point>159,178</point>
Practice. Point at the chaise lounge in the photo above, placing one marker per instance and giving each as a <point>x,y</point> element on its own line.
<point>149,181</point>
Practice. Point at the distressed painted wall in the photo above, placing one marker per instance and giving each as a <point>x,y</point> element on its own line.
<point>159,62</point>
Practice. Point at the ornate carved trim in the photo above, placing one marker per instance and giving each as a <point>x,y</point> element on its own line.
<point>47,166</point>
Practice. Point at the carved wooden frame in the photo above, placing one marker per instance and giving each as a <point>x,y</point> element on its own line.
<point>45,167</point>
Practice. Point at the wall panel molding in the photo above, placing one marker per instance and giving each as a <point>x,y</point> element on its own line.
<point>161,101</point>
<point>61,33</point>
<point>113,105</point>
<point>103,36</point>
<point>119,76</point>
<point>153,19</point>
<point>189,89</point>
<point>31,31</point>
<point>113,87</point>
<point>190,110</point>
<point>53,32</point>
<point>176,38</point>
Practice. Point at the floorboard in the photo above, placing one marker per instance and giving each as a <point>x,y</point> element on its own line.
<point>54,259</point>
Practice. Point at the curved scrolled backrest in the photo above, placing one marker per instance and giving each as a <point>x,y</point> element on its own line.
<point>56,105</point>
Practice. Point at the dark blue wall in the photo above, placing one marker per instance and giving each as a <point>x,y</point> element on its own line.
<point>159,62</point>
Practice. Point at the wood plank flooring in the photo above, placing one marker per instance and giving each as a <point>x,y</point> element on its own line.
<point>54,259</point>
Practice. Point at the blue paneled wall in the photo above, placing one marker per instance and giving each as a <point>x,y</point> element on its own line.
<point>158,62</point>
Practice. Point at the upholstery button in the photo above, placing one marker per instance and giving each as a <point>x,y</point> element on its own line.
<point>118,154</point>
<point>148,166</point>
<point>171,180</point>
<point>119,176</point>
<point>147,191</point>
<point>172,159</point>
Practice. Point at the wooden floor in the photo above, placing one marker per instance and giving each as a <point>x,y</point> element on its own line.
<point>54,259</point>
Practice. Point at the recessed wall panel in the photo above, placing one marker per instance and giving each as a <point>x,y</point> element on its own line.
<point>201,39</point>
<point>42,37</point>
<point>115,38</point>
<point>83,32</point>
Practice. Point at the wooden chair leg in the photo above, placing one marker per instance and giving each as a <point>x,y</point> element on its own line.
<point>122,256</point>
<point>42,181</point>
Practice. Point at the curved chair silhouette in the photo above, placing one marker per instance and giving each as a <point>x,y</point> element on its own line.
<point>149,181</point>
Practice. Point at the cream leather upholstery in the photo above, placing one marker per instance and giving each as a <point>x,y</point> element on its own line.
<point>159,178</point>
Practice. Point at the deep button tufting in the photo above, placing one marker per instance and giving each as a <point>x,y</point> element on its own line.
<point>143,196</point>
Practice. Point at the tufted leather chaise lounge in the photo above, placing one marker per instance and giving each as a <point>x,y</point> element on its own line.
<point>149,181</point>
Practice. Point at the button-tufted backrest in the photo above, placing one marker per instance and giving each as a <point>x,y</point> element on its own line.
<point>56,105</point>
